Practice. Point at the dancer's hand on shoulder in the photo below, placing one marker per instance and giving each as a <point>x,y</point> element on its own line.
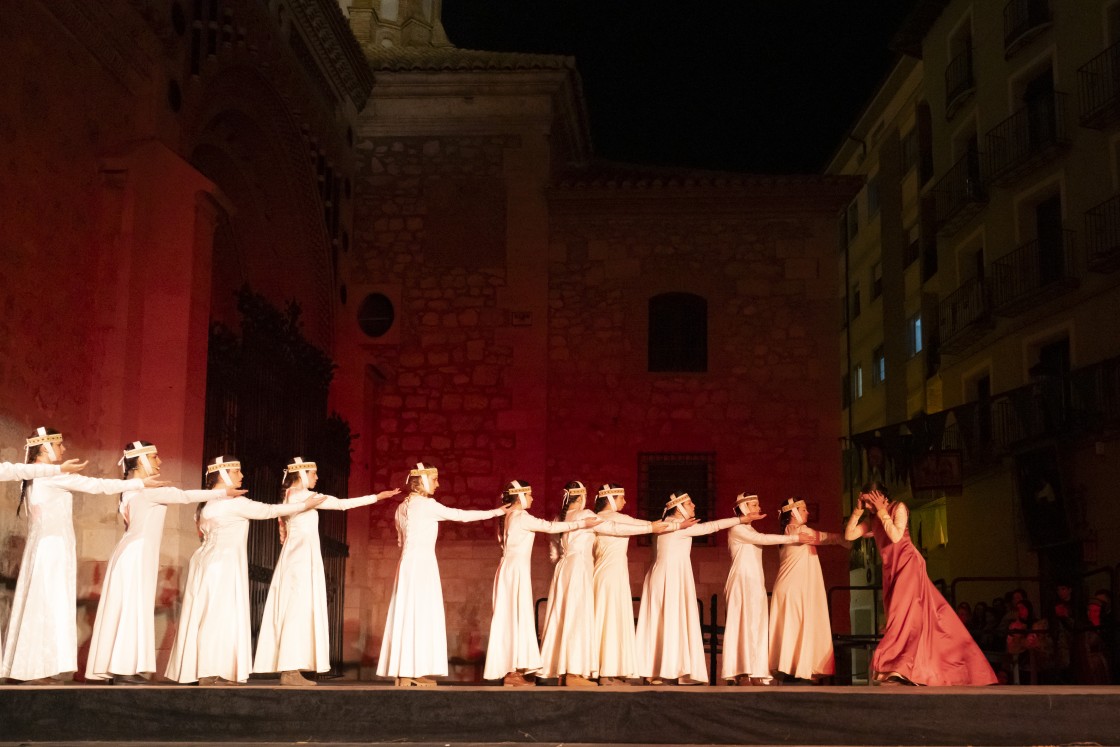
<point>591,521</point>
<point>689,522</point>
<point>315,500</point>
<point>806,536</point>
<point>153,481</point>
<point>748,518</point>
<point>661,527</point>
<point>70,466</point>
<point>233,492</point>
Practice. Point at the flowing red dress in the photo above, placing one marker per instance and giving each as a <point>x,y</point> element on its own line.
<point>924,640</point>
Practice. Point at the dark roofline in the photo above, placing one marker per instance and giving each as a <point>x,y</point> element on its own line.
<point>908,39</point>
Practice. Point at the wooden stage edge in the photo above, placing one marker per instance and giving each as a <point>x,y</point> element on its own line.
<point>364,713</point>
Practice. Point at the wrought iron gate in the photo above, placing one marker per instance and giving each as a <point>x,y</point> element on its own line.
<point>266,401</point>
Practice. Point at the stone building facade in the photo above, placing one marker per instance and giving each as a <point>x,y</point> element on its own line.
<point>482,283</point>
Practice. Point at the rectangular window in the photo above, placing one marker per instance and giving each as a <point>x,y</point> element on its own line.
<point>915,327</point>
<point>909,150</point>
<point>857,381</point>
<point>855,301</point>
<point>663,474</point>
<point>879,367</point>
<point>876,280</point>
<point>913,246</point>
<point>872,198</point>
<point>853,220</point>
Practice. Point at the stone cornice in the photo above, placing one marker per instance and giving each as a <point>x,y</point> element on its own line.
<point>473,103</point>
<point>327,33</point>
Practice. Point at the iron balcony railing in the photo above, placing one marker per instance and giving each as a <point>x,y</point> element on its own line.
<point>963,309</point>
<point>1019,277</point>
<point>959,81</point>
<point>959,194</point>
<point>1098,89</point>
<point>1022,19</point>
<point>1062,406</point>
<point>1102,235</point>
<point>1027,138</point>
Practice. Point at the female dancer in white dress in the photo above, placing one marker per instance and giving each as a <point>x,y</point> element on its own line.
<point>123,644</point>
<point>570,646</point>
<point>295,626</point>
<point>512,654</point>
<point>213,644</point>
<point>745,659</point>
<point>42,640</point>
<point>670,642</point>
<point>613,642</point>
<point>414,647</point>
<point>800,630</point>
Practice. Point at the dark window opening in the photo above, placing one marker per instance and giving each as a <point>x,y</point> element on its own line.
<point>376,315</point>
<point>662,474</point>
<point>678,332</point>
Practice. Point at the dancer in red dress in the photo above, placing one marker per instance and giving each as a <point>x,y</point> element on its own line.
<point>924,642</point>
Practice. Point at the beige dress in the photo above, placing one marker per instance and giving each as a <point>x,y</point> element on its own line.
<point>800,629</point>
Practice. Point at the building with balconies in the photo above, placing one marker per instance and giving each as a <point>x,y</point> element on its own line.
<point>997,419</point>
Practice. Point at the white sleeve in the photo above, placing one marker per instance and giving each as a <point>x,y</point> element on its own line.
<point>755,537</point>
<point>250,509</point>
<point>16,471</point>
<point>446,513</point>
<point>174,495</point>
<point>533,524</point>
<point>95,485</point>
<point>708,527</point>
<point>345,504</point>
<point>614,528</point>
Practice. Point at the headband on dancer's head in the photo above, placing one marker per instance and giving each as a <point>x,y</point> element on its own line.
<point>426,475</point>
<point>609,494</point>
<point>579,490</point>
<point>793,504</point>
<point>516,488</point>
<point>300,465</point>
<point>677,501</point>
<point>138,449</point>
<point>44,439</point>
<point>746,498</point>
<point>222,467</point>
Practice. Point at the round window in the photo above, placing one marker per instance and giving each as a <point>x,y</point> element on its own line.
<point>376,315</point>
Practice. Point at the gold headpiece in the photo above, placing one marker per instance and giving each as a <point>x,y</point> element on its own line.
<point>138,449</point>
<point>300,465</point>
<point>43,438</point>
<point>608,492</point>
<point>793,503</point>
<point>518,488</point>
<point>745,498</point>
<point>222,467</point>
<point>580,490</point>
<point>425,474</point>
<point>219,465</point>
<point>676,500</point>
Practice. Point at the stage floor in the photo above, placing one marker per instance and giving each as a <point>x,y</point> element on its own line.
<point>363,714</point>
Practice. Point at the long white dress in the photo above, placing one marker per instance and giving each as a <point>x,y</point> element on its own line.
<point>670,642</point>
<point>295,627</point>
<point>747,620</point>
<point>215,637</point>
<point>15,471</point>
<point>800,630</point>
<point>43,629</point>
<point>415,640</point>
<point>613,631</point>
<point>513,631</point>
<point>124,632</point>
<point>570,643</point>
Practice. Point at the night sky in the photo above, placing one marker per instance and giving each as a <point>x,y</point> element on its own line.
<point>765,86</point>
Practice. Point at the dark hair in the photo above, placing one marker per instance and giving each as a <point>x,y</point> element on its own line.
<point>601,502</point>
<point>416,484</point>
<point>568,499</point>
<point>32,455</point>
<point>870,487</point>
<point>665,512</point>
<point>289,479</point>
<point>211,478</point>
